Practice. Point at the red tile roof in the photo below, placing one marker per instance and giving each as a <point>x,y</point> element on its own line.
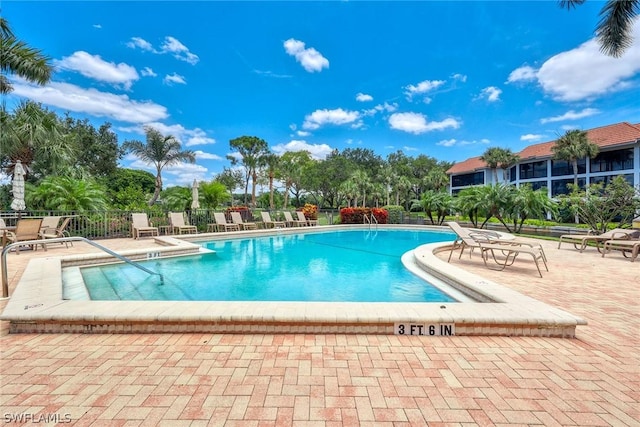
<point>605,136</point>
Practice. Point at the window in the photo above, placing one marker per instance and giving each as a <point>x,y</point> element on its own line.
<point>561,186</point>
<point>606,179</point>
<point>512,173</point>
<point>535,185</point>
<point>562,167</point>
<point>533,170</point>
<point>609,161</point>
<point>467,179</point>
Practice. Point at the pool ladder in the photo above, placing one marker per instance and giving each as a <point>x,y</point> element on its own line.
<point>5,251</point>
<point>371,219</point>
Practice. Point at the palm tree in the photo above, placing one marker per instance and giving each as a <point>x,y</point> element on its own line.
<point>68,194</point>
<point>16,57</point>
<point>271,162</point>
<point>252,151</point>
<point>572,146</point>
<point>160,151</point>
<point>614,31</point>
<point>499,158</point>
<point>33,135</point>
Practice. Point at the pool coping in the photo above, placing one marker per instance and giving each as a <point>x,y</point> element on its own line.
<point>37,305</point>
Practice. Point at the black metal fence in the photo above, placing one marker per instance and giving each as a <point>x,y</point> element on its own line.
<point>117,223</point>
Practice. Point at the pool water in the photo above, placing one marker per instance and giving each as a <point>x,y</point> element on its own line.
<point>355,265</point>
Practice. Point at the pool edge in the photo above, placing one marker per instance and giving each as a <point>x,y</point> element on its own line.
<point>37,307</point>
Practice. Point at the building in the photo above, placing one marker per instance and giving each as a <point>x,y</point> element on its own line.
<point>619,155</point>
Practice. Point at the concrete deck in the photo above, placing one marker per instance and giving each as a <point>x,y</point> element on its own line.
<point>336,379</point>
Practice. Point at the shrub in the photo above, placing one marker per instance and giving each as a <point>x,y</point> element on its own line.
<point>310,211</point>
<point>356,215</point>
<point>394,214</point>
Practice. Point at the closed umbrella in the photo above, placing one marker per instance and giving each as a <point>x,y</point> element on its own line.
<point>18,187</point>
<point>195,203</point>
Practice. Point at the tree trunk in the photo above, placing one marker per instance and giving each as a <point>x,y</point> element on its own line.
<point>575,182</point>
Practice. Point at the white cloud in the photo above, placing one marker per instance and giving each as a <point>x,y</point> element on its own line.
<point>389,108</point>
<point>584,73</point>
<point>447,142</point>
<point>179,51</point>
<point>335,117</point>
<point>422,88</point>
<point>170,79</point>
<point>531,137</point>
<point>178,174</point>
<point>310,59</point>
<point>98,26</point>
<point>416,123</point>
<point>318,151</point>
<point>91,101</point>
<point>522,74</point>
<point>491,94</point>
<point>138,42</point>
<point>571,115</point>
<point>147,72</point>
<point>459,77</point>
<point>170,45</point>
<point>455,142</point>
<point>206,156</point>
<point>303,133</point>
<point>96,68</point>
<point>188,137</point>
<point>362,97</point>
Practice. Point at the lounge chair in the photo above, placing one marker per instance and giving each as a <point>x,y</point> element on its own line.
<point>580,241</point>
<point>237,219</point>
<point>222,224</point>
<point>269,223</point>
<point>302,217</point>
<point>626,245</point>
<point>140,225</point>
<point>290,222</point>
<point>176,219</point>
<point>26,229</point>
<point>59,232</point>
<point>49,224</point>
<point>489,244</point>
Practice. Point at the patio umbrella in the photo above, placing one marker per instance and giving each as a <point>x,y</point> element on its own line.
<point>195,203</point>
<point>18,187</point>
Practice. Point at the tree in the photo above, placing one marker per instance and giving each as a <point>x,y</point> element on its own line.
<point>67,194</point>
<point>177,198</point>
<point>614,30</point>
<point>252,152</point>
<point>16,57</point>
<point>499,158</point>
<point>97,151</point>
<point>439,202</point>
<point>292,167</point>
<point>34,136</point>
<point>231,179</point>
<point>271,162</point>
<point>600,205</point>
<point>213,194</point>
<point>572,146</point>
<point>161,151</point>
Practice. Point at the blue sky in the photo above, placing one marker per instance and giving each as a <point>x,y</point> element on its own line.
<point>444,79</point>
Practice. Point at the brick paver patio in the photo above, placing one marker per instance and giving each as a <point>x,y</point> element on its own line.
<point>324,380</point>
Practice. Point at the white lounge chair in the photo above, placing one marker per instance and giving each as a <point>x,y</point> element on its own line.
<point>221,223</point>
<point>140,226</point>
<point>490,245</point>
<point>580,241</point>
<point>269,223</point>
<point>302,217</point>
<point>176,219</point>
<point>237,219</point>
<point>290,222</point>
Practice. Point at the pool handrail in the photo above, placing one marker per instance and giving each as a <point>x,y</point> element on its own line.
<point>6,249</point>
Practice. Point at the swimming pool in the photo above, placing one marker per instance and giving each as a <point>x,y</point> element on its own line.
<point>350,265</point>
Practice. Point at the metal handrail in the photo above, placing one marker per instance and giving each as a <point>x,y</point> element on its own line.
<point>5,251</point>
